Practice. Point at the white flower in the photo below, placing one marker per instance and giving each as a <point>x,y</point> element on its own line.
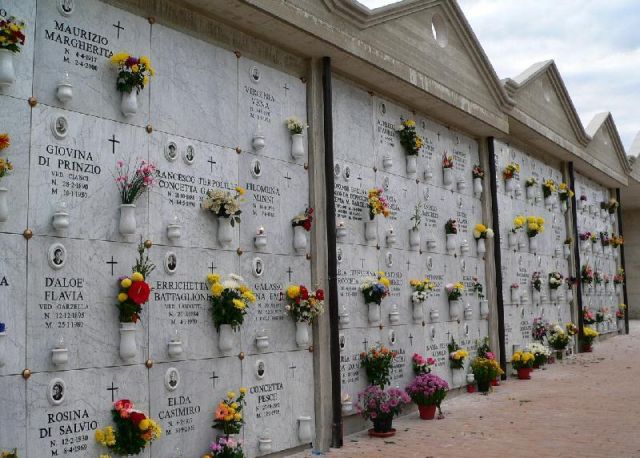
<point>489,233</point>
<point>476,234</point>
<point>236,277</point>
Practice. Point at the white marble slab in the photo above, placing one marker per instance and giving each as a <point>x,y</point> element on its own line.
<point>13,434</point>
<point>13,304</point>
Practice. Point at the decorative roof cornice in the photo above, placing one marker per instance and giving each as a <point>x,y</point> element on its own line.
<point>605,121</point>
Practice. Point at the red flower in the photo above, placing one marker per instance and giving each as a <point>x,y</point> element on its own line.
<point>123,404</point>
<point>307,224</point>
<point>135,317</point>
<point>136,417</point>
<point>139,292</point>
<point>320,295</point>
<point>304,294</point>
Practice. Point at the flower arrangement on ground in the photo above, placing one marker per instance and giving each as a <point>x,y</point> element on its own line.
<point>588,317</point>
<point>457,355</point>
<point>536,281</point>
<point>588,336</point>
<point>134,290</point>
<point>531,182</point>
<point>229,300</point>
<point>421,289</point>
<point>12,36</point>
<point>375,289</point>
<point>454,290</point>
<point>303,219</point>
<point>295,126</point>
<point>427,391</point>
<point>451,226</point>
<point>133,430</point>
<point>548,187</point>
<point>480,231</point>
<point>620,311</point>
<point>380,406</point>
<point>377,364</point>
<point>447,161</point>
<point>133,72</point>
<point>409,138</point>
<point>510,170</point>
<point>303,305</point>
<point>540,353</point>
<point>564,192</point>
<point>378,205</point>
<point>224,204</point>
<point>225,447</point>
<point>422,365</point>
<point>522,361</point>
<point>586,274</point>
<point>132,185</point>
<point>228,415</point>
<point>555,280</point>
<point>477,171</point>
<point>539,329</point>
<point>557,337</point>
<point>535,226</point>
<point>484,371</point>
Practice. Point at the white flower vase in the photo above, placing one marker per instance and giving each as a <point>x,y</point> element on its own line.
<point>347,407</point>
<point>462,185</point>
<point>129,103</point>
<point>128,346</point>
<point>477,187</point>
<point>509,185</point>
<point>603,213</point>
<point>297,146</point>
<point>455,309</point>
<point>468,312</point>
<point>531,193</point>
<point>458,377</point>
<point>447,177</point>
<point>515,295</point>
<point>620,325</point>
<point>581,205</point>
<point>548,202</point>
<point>434,315</point>
<point>4,207</point>
<point>258,142</point>
<point>566,250</point>
<point>7,70</point>
<point>481,248</point>
<point>612,218</point>
<point>225,338</point>
<point>387,162</point>
<point>512,238</point>
<point>569,295</point>
<point>418,311</point>
<point>225,231</point>
<point>535,295</point>
<point>265,445</point>
<point>299,239</point>
<point>304,429</point>
<point>302,334</point>
<point>412,164</point>
<point>127,219</point>
<point>373,313</point>
<point>533,244</point>
<point>553,294</point>
<point>451,242</point>
<point>414,238</point>
<point>394,315</point>
<point>484,309</point>
<point>370,233</point>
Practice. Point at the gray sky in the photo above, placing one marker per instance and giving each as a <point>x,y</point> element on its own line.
<point>595,44</point>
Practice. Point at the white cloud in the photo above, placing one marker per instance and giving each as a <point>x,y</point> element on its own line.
<point>595,44</point>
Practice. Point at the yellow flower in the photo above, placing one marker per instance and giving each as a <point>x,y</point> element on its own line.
<point>122,297</point>
<point>380,274</point>
<point>144,424</point>
<point>237,303</point>
<point>99,436</point>
<point>516,356</point>
<point>105,456</point>
<point>481,227</point>
<point>243,390</point>
<point>293,291</point>
<point>135,68</point>
<point>540,221</point>
<point>125,283</point>
<point>217,289</point>
<point>414,282</point>
<point>410,123</point>
<point>237,417</point>
<point>137,276</point>
<point>533,226</point>
<point>119,58</point>
<point>231,394</point>
<point>213,278</point>
<point>228,418</point>
<point>240,190</point>
<point>145,80</point>
<point>248,295</point>
<point>144,60</point>
<point>385,281</point>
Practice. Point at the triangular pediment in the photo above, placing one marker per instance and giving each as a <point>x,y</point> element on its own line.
<point>605,145</point>
<point>541,95</point>
<point>363,17</point>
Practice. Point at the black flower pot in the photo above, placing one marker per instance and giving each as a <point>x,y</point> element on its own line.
<point>382,425</point>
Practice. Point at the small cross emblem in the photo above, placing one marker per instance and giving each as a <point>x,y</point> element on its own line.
<point>113,141</point>
<point>112,263</point>
<point>411,338</point>
<point>113,388</point>
<point>119,27</point>
<point>293,368</point>
<point>365,342</point>
<point>212,162</point>
<point>214,378</point>
<point>212,268</point>
<point>289,271</point>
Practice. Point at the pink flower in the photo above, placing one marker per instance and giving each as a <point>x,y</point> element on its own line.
<point>431,361</point>
<point>373,415</point>
<point>120,164</point>
<point>148,181</point>
<point>490,355</point>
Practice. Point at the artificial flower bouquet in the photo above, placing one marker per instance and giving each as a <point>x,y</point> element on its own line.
<point>531,182</point>
<point>584,236</point>
<point>522,360</point>
<point>597,277</point>
<point>616,240</point>
<point>134,290</point>
<point>375,289</point>
<point>225,447</point>
<point>427,390</point>
<point>540,353</point>
<point>484,371</point>
<point>303,305</point>
<point>588,317</point>
<point>564,192</point>
<point>548,187</point>
<point>477,171</point>
<point>377,364</point>
<point>480,231</point>
<point>422,365</point>
<point>518,223</point>
<point>454,290</point>
<point>132,433</point>
<point>588,336</point>
<point>5,167</point>
<point>571,329</point>
<point>12,36</point>
<point>539,329</point>
<point>228,415</point>
<point>457,355</point>
<point>535,225</point>
<point>620,311</point>
<point>447,161</point>
<point>557,337</point>
<point>224,204</point>
<point>451,226</point>
<point>378,205</point>
<point>536,281</point>
<point>303,219</point>
<point>510,170</point>
<point>604,238</point>
<point>131,186</point>
<point>295,126</point>
<point>593,237</point>
<point>375,403</point>
<point>555,280</point>
<point>5,141</point>
<point>229,299</point>
<point>618,278</point>
<point>409,138</point>
<point>586,274</point>
<point>133,72</point>
<point>421,289</point>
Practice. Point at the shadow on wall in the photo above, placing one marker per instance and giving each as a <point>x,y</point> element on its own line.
<point>631,223</point>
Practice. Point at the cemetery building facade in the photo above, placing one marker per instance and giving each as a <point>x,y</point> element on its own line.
<point>212,119</point>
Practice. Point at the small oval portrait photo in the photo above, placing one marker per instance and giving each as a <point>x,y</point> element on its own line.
<point>258,267</point>
<point>256,168</point>
<point>171,151</point>
<point>56,391</point>
<point>170,262</point>
<point>189,155</point>
<point>260,369</point>
<point>172,379</point>
<point>57,256</point>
